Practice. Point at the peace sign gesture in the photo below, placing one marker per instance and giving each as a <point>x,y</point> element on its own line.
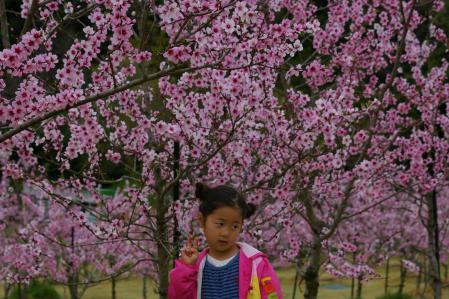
<point>189,253</point>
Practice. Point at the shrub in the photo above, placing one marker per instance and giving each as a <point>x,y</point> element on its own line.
<point>36,290</point>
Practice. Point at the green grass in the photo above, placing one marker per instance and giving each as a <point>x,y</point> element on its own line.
<point>131,288</point>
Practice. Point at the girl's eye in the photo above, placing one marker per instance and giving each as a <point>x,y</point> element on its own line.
<point>235,226</point>
<point>220,224</point>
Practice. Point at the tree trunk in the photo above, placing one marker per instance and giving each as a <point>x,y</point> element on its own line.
<point>359,288</point>
<point>176,190</point>
<point>387,273</point>
<point>73,275</point>
<point>311,275</point>
<point>163,262</point>
<point>295,285</point>
<point>6,289</point>
<point>434,245</point>
<point>353,278</point>
<point>145,288</point>
<point>426,276</point>
<point>73,286</point>
<point>446,270</point>
<point>403,273</point>
<point>114,293</point>
<point>352,287</point>
<point>29,20</point>
<point>419,280</point>
<point>4,27</point>
<point>20,292</point>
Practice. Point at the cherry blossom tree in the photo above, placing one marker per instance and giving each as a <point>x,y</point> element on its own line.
<point>345,116</point>
<point>73,115</point>
<point>318,110</point>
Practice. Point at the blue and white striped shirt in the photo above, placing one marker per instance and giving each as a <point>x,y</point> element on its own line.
<point>221,282</point>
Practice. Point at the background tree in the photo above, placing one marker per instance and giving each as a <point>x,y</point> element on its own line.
<point>311,108</point>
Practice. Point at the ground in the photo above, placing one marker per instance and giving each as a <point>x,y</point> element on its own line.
<point>330,288</point>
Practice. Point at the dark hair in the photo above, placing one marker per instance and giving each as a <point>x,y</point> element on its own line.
<point>222,196</point>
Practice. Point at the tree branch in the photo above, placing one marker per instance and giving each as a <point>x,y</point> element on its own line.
<point>94,98</point>
<point>29,19</point>
<point>4,25</point>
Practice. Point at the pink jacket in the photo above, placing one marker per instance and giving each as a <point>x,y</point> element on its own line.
<point>257,278</point>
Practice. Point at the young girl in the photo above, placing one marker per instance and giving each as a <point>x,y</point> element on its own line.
<point>226,269</point>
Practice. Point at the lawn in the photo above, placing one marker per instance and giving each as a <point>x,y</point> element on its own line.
<point>330,288</point>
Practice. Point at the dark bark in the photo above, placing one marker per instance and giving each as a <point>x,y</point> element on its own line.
<point>114,284</point>
<point>359,288</point>
<point>426,277</point>
<point>403,274</point>
<point>144,288</point>
<point>73,286</point>
<point>446,271</point>
<point>21,293</point>
<point>433,245</point>
<point>6,289</point>
<point>311,275</point>
<point>419,280</point>
<point>29,20</point>
<point>352,287</point>
<point>295,285</point>
<point>176,189</point>
<point>353,279</point>
<point>4,27</point>
<point>73,273</point>
<point>387,273</point>
<point>163,262</point>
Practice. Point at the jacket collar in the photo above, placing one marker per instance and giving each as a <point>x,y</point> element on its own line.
<point>247,254</point>
<point>249,251</point>
<point>246,251</point>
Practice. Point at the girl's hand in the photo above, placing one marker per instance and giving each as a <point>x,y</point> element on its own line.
<point>189,253</point>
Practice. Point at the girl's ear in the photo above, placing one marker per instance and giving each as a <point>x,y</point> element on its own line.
<point>201,220</point>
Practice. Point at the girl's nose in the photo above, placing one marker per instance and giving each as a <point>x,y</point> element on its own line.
<point>225,232</point>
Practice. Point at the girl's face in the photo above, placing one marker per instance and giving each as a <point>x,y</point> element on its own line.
<point>222,228</point>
